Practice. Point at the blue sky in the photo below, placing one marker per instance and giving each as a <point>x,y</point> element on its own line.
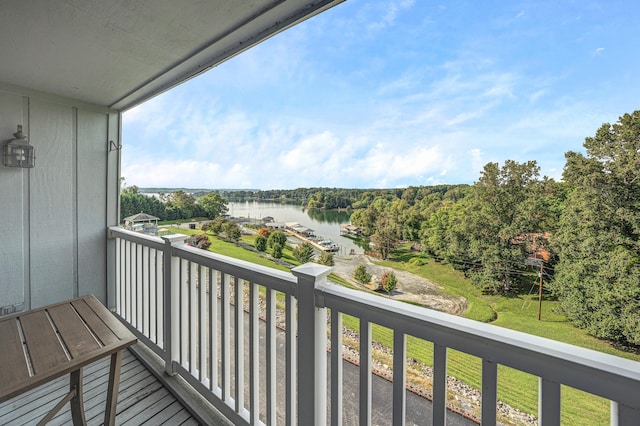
<point>385,94</point>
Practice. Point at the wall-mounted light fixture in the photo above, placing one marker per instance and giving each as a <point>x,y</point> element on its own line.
<point>17,152</point>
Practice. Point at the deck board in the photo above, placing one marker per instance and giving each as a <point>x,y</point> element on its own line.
<point>141,398</point>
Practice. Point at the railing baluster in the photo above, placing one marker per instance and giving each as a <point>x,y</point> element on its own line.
<point>254,347</point>
<point>127,281</point>
<point>202,322</point>
<point>336,367</point>
<point>548,402</point>
<point>184,311</point>
<point>271,358</point>
<point>118,264</point>
<point>238,339</point>
<point>489,392</point>
<point>291,362</point>
<point>144,322</point>
<point>365,372</point>
<point>226,340</point>
<point>399,377</point>
<point>138,286</point>
<point>213,330</point>
<point>153,297</point>
<point>624,415</point>
<point>439,384</point>
<point>193,316</point>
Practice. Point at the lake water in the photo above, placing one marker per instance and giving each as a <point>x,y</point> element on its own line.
<point>325,223</point>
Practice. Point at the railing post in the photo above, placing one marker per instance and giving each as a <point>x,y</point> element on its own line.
<point>171,271</point>
<point>312,344</point>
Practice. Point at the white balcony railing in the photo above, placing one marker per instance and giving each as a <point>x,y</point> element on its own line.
<point>201,313</point>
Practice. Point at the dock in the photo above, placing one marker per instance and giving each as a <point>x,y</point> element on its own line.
<point>308,235</point>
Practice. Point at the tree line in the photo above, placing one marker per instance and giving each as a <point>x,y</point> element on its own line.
<point>175,205</point>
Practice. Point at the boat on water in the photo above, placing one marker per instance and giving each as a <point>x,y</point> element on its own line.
<point>307,234</point>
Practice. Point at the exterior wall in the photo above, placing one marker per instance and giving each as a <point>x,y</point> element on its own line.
<point>54,217</point>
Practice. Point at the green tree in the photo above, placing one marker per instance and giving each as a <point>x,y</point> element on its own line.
<point>214,226</point>
<point>326,258</point>
<point>132,202</point>
<point>232,231</point>
<point>303,252</point>
<point>261,243</point>
<point>277,237</point>
<point>385,238</point>
<point>504,206</point>
<point>276,249</point>
<point>180,205</point>
<point>361,275</point>
<point>389,281</point>
<point>212,205</point>
<point>597,277</point>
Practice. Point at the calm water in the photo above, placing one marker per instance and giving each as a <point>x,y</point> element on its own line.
<point>324,223</point>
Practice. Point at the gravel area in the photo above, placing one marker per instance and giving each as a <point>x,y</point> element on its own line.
<point>410,287</point>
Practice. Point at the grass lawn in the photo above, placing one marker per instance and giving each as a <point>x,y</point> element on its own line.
<point>517,312</point>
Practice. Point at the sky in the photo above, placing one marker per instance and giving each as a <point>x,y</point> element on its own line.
<point>390,94</point>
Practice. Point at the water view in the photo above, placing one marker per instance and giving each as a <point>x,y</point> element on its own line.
<point>325,223</point>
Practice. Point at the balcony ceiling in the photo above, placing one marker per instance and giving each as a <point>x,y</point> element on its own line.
<point>121,53</point>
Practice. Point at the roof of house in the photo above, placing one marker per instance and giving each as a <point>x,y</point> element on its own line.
<point>141,217</point>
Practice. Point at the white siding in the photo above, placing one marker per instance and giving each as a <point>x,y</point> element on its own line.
<point>52,210</point>
<point>54,217</point>
<point>92,203</point>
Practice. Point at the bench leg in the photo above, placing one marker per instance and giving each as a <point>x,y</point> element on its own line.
<point>112,391</point>
<point>77,403</point>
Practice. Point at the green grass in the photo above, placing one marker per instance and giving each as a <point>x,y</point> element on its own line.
<point>518,312</point>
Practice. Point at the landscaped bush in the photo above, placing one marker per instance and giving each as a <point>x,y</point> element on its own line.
<point>361,275</point>
<point>202,241</point>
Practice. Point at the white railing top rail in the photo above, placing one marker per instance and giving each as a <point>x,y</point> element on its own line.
<point>611,377</point>
<point>137,237</point>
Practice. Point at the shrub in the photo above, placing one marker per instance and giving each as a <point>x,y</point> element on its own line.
<point>361,275</point>
<point>388,281</point>
<point>202,241</point>
<point>277,237</point>
<point>326,258</point>
<point>277,250</point>
<point>232,231</point>
<point>303,252</point>
<point>261,243</point>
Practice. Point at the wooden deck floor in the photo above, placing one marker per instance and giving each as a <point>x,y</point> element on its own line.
<point>141,399</point>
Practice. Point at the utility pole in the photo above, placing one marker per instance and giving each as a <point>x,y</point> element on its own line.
<point>540,290</point>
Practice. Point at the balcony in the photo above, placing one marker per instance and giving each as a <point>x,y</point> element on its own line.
<point>204,314</point>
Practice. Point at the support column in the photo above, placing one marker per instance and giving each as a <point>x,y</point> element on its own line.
<point>312,344</point>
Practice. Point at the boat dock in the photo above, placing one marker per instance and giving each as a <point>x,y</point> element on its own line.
<point>308,235</point>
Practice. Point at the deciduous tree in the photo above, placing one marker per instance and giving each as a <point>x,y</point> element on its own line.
<point>598,240</point>
<point>212,205</point>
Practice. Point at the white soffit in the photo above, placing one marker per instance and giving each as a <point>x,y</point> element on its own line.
<point>121,53</point>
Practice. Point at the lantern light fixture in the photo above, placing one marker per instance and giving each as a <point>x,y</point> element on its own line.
<point>17,152</point>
